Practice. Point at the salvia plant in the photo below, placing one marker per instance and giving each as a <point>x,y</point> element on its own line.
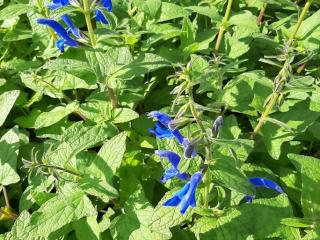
<point>150,119</point>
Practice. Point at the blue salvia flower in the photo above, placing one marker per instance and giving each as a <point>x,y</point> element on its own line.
<point>164,119</point>
<point>59,29</point>
<point>169,173</point>
<point>263,182</point>
<point>99,15</point>
<point>56,4</point>
<point>160,132</point>
<point>71,28</point>
<point>186,197</point>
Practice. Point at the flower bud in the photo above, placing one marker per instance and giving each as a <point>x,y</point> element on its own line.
<point>216,126</point>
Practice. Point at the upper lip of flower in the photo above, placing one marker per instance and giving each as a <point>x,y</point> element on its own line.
<point>59,29</point>
<point>174,159</point>
<point>186,196</point>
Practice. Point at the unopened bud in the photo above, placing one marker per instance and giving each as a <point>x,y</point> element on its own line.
<point>216,126</point>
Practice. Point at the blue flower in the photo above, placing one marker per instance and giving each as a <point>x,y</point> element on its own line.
<point>161,133</point>
<point>186,197</point>
<point>99,14</point>
<point>174,159</point>
<point>71,28</point>
<point>263,182</point>
<point>59,29</point>
<point>56,4</point>
<point>165,120</point>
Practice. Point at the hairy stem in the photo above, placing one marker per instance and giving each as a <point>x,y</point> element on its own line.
<point>283,74</point>
<point>5,195</point>
<point>206,177</point>
<point>113,97</point>
<point>86,12</point>
<point>223,25</point>
<point>57,168</point>
<point>300,20</point>
<point>261,14</point>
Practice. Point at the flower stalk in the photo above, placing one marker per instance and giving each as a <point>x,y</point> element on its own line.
<point>261,14</point>
<point>283,74</point>
<point>5,195</point>
<point>223,25</point>
<point>86,12</point>
<point>206,177</point>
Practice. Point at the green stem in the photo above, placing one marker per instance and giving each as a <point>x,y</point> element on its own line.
<point>300,20</point>
<point>261,14</point>
<point>223,25</point>
<point>206,177</point>
<point>86,12</point>
<point>5,195</point>
<point>283,74</point>
<point>58,168</point>
<point>113,97</point>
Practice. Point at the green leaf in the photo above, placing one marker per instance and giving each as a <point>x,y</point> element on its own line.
<point>39,119</point>
<point>17,34</point>
<point>164,217</point>
<point>171,11</point>
<point>52,216</point>
<point>112,154</point>
<point>206,11</point>
<point>297,222</point>
<point>87,228</point>
<point>7,100</point>
<point>310,177</point>
<point>14,10</point>
<point>226,173</point>
<point>143,64</point>
<point>135,223</point>
<point>242,222</point>
<point>97,187</point>
<point>9,150</point>
<point>76,139</point>
<point>121,115</point>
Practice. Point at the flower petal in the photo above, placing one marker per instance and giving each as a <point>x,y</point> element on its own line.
<point>168,174</point>
<point>171,156</point>
<point>163,118</point>
<point>183,176</point>
<point>60,44</point>
<point>264,182</point>
<point>189,199</point>
<point>107,4</point>
<point>160,132</point>
<point>59,30</point>
<point>55,4</point>
<point>100,17</point>
<point>176,199</point>
<point>75,31</point>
